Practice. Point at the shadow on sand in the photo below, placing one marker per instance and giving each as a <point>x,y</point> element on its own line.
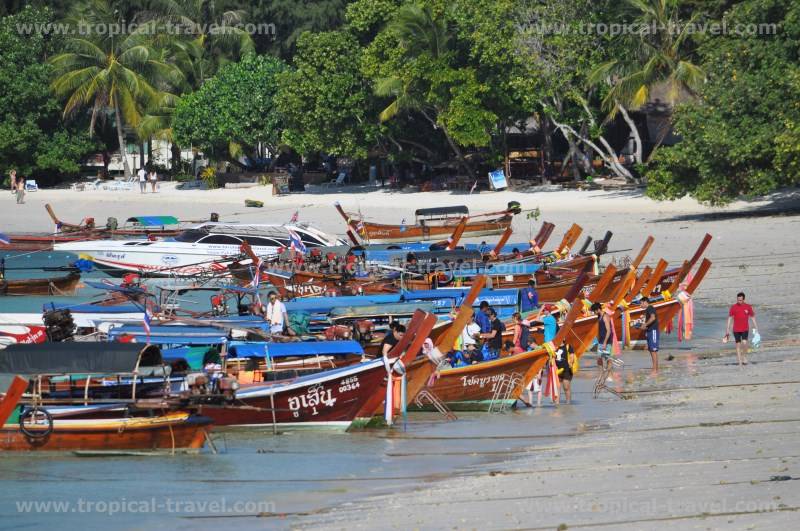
<point>779,204</point>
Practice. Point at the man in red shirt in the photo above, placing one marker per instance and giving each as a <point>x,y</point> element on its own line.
<point>740,316</point>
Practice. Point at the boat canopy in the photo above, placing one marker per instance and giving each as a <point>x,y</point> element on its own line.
<point>360,312</point>
<point>154,221</point>
<point>443,211</point>
<point>94,308</point>
<point>250,349</point>
<point>115,288</point>
<point>171,335</point>
<point>77,358</point>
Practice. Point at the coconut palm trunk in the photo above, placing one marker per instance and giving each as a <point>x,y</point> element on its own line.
<point>121,142</point>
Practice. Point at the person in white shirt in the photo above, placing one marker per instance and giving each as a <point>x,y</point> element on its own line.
<point>468,341</point>
<point>275,314</point>
<point>142,174</point>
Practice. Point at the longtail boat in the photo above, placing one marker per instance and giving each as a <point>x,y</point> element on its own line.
<point>65,232</point>
<point>332,398</point>
<point>489,384</point>
<point>64,285</point>
<point>431,224</point>
<point>35,416</point>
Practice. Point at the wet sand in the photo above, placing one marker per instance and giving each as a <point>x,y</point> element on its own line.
<point>709,446</point>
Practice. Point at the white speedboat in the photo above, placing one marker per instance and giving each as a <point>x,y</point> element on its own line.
<point>205,248</point>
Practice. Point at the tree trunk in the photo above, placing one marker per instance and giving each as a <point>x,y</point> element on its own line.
<point>142,162</point>
<point>547,131</point>
<point>608,154</point>
<point>175,151</point>
<point>150,150</point>
<point>121,141</point>
<point>637,138</point>
<point>466,166</point>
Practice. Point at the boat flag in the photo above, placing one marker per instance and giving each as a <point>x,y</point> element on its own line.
<point>5,240</point>
<point>403,225</point>
<point>146,323</point>
<point>295,217</point>
<point>296,243</point>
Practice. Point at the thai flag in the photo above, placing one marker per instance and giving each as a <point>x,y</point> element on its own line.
<point>5,240</point>
<point>146,323</point>
<point>403,225</point>
<point>256,274</point>
<point>295,242</point>
<point>295,217</point>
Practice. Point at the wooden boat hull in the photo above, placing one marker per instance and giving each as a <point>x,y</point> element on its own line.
<point>330,399</point>
<point>175,430</point>
<point>65,285</point>
<point>473,388</point>
<point>380,233</point>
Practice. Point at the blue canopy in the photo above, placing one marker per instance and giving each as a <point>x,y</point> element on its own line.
<point>253,349</point>
<point>111,287</point>
<point>447,297</point>
<point>326,304</point>
<point>154,221</point>
<point>172,335</point>
<point>93,308</point>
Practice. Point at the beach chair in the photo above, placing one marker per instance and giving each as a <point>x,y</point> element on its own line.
<point>122,186</point>
<point>339,181</point>
<point>31,186</point>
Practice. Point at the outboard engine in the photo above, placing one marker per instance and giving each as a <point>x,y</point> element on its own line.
<point>514,207</point>
<point>112,224</point>
<point>59,325</point>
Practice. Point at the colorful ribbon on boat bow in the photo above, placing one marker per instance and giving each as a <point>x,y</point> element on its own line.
<point>686,316</point>
<point>392,367</point>
<point>551,384</point>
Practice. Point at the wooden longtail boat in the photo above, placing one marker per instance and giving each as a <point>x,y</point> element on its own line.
<point>177,430</point>
<point>494,383</point>
<point>431,224</point>
<point>160,226</point>
<point>65,285</point>
<point>41,422</point>
<point>331,398</point>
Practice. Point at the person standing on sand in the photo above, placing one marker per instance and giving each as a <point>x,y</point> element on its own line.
<point>142,174</point>
<point>20,190</point>
<point>651,331</point>
<point>13,176</point>
<point>153,177</point>
<point>740,316</point>
<point>604,325</point>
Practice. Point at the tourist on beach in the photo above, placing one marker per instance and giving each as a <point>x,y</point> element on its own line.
<point>494,338</point>
<point>604,325</point>
<point>740,316</point>
<point>482,317</point>
<point>550,323</point>
<point>651,331</point>
<point>392,337</point>
<point>521,334</point>
<point>529,297</point>
<point>13,177</point>
<point>153,178</point>
<point>565,358</point>
<point>142,174</point>
<point>275,314</point>
<point>20,190</point>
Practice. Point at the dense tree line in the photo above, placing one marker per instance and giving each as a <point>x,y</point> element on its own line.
<point>419,80</point>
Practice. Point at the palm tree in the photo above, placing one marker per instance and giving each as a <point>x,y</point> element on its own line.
<point>109,74</point>
<point>658,58</point>
<point>420,33</point>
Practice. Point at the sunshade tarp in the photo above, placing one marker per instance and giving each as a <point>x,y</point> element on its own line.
<point>194,356</point>
<point>75,357</point>
<point>442,211</point>
<point>154,221</point>
<point>93,308</point>
<point>172,335</point>
<point>302,348</point>
<point>380,310</point>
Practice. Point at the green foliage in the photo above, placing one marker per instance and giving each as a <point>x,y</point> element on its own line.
<point>33,138</point>
<point>325,100</point>
<point>209,176</point>
<point>741,137</point>
<point>233,111</point>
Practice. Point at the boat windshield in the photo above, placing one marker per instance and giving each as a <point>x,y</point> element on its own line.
<point>190,236</point>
